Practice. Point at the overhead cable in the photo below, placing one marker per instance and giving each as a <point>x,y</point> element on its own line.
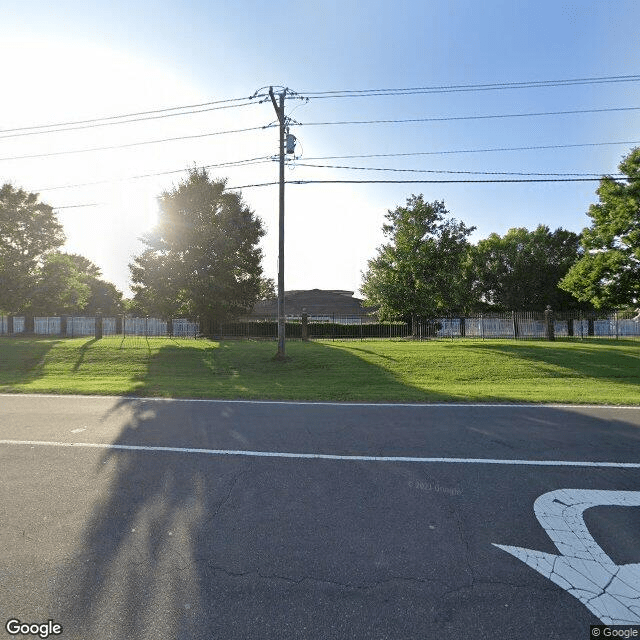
<point>109,124</point>
<point>135,114</point>
<point>530,84</point>
<point>485,150</point>
<point>233,163</point>
<point>302,182</point>
<point>134,144</point>
<point>489,173</point>
<point>482,117</point>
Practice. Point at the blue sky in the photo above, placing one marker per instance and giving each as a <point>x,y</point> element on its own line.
<point>77,60</point>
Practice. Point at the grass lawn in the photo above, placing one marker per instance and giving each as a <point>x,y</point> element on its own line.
<point>593,372</point>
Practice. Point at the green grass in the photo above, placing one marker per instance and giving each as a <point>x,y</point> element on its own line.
<point>594,372</point>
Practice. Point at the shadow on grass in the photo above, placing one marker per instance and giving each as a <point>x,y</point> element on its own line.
<point>22,360</point>
<point>237,369</point>
<point>583,359</point>
<point>183,545</point>
<point>82,354</point>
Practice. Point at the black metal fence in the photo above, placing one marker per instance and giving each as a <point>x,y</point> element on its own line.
<point>512,325</point>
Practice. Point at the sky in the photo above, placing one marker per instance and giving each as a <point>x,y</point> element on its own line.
<point>74,61</point>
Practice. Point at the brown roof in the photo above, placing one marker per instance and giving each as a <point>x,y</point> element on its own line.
<point>314,302</point>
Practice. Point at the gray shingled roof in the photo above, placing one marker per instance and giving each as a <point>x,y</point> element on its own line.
<point>314,302</point>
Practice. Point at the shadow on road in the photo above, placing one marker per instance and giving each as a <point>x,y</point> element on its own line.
<point>140,570</point>
<point>192,546</point>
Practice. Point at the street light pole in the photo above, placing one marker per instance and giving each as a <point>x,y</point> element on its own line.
<point>280,355</point>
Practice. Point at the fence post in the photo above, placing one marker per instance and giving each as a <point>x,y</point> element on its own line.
<point>482,326</point>
<point>570,327</point>
<point>170,327</point>
<point>29,326</point>
<point>616,320</point>
<point>514,320</point>
<point>463,329</point>
<point>98,327</point>
<point>591,328</point>
<point>10,325</point>
<point>548,323</point>
<point>305,325</point>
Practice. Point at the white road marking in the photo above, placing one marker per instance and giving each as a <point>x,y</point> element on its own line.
<point>323,456</point>
<point>610,591</point>
<point>449,405</point>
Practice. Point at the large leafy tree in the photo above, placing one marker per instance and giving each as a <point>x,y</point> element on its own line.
<point>104,297</point>
<point>608,274</point>
<point>71,284</point>
<point>202,259</point>
<point>420,272</point>
<point>60,288</point>
<point>29,231</point>
<point>521,270</point>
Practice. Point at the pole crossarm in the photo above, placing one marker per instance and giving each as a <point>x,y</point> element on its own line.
<point>279,108</point>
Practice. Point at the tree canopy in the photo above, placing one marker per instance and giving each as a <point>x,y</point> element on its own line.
<point>68,283</point>
<point>608,274</point>
<point>521,270</point>
<point>418,273</point>
<point>201,260</point>
<point>29,231</point>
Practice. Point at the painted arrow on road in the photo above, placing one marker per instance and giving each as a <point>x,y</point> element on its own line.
<point>610,591</point>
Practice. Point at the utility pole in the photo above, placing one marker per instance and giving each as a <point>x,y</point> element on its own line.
<point>280,355</point>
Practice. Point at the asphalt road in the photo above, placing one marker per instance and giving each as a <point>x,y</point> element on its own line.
<point>140,519</point>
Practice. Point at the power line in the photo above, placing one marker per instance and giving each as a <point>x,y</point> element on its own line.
<point>335,93</point>
<point>109,124</point>
<point>482,117</point>
<point>303,182</point>
<point>78,206</point>
<point>485,150</point>
<point>490,173</point>
<point>135,114</point>
<point>134,144</point>
<point>249,186</point>
<point>363,93</point>
<point>233,163</point>
<point>265,159</point>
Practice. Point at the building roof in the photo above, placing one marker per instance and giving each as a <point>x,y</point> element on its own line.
<point>314,302</point>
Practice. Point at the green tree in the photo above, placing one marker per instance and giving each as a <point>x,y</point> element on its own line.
<point>267,289</point>
<point>104,297</point>
<point>29,231</point>
<point>608,274</point>
<point>420,272</point>
<point>521,270</point>
<point>60,288</point>
<point>71,284</point>
<point>202,259</point>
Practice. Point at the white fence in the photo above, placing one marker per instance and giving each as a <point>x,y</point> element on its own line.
<point>526,326</point>
<point>86,326</point>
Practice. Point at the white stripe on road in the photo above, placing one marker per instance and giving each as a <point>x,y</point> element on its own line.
<point>322,456</point>
<point>450,405</point>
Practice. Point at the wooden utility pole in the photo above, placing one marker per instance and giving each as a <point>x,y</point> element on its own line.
<point>280,355</point>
